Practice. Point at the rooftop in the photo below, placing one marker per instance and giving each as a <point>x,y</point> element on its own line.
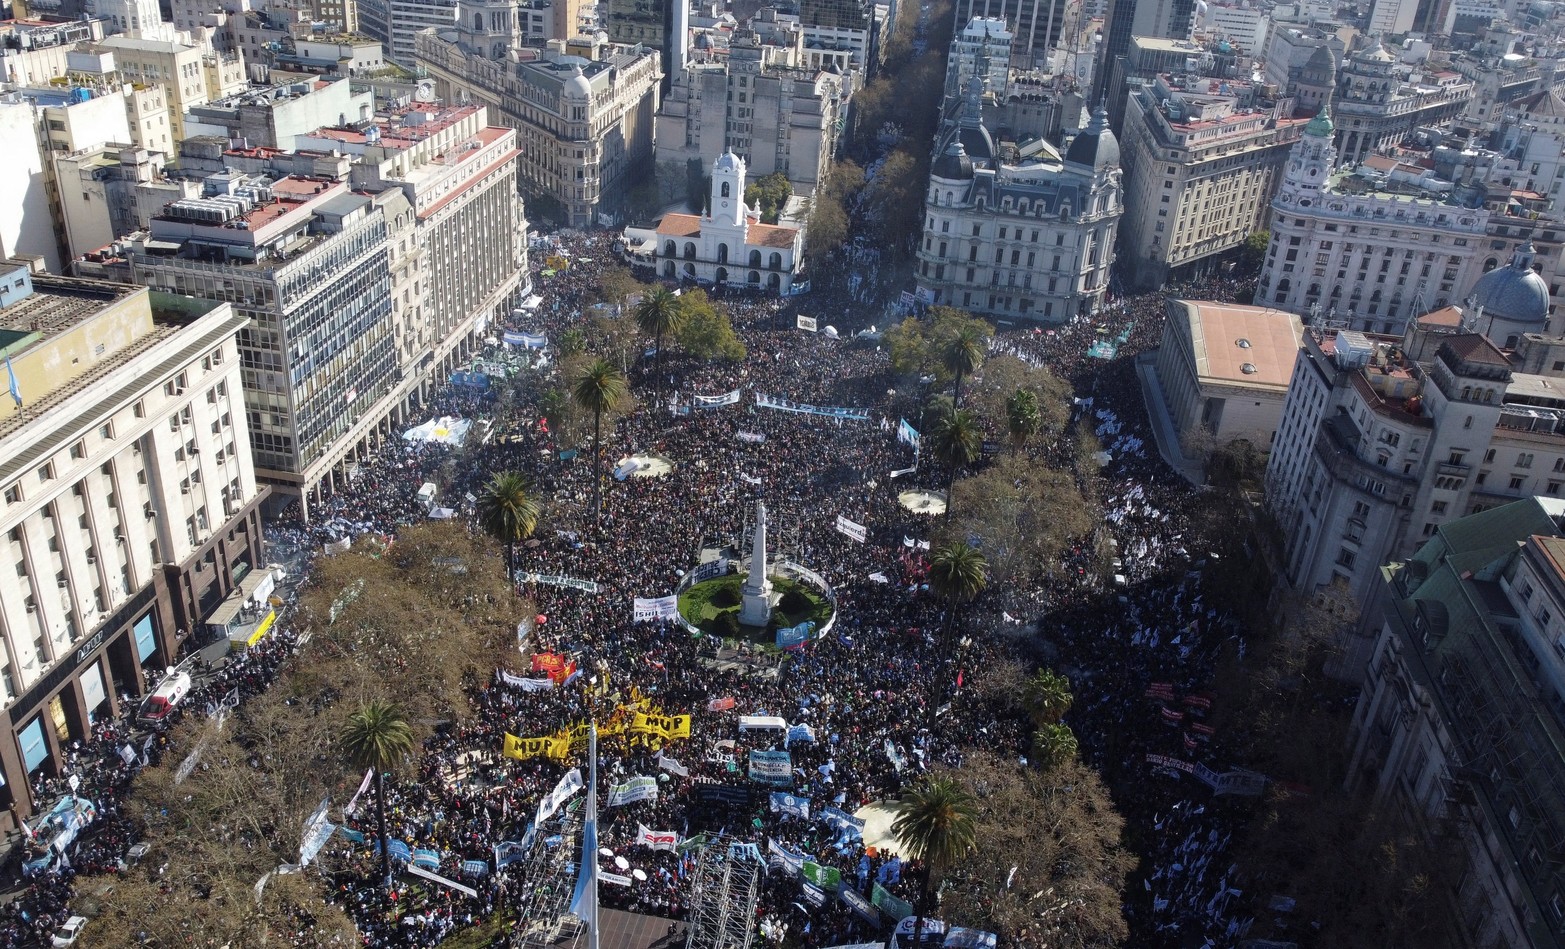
<point>57,304</point>
<point>1246,345</point>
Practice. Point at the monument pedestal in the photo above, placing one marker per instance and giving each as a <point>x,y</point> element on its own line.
<point>755,609</point>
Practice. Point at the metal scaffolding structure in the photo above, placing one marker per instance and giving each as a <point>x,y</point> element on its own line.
<point>723,890</point>
<point>548,878</point>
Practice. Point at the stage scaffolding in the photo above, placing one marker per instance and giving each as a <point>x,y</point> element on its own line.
<point>548,879</point>
<point>723,890</point>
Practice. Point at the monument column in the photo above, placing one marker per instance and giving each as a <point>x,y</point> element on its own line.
<point>756,607</point>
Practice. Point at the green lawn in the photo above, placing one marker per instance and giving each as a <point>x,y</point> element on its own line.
<point>696,606</point>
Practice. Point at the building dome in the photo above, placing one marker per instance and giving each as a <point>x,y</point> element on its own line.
<point>1374,53</point>
<point>1321,69</point>
<point>1513,293</point>
<point>1095,146</point>
<point>577,87</point>
<point>953,164</point>
<point>728,163</point>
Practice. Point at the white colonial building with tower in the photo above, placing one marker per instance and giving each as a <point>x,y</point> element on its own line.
<point>728,244</point>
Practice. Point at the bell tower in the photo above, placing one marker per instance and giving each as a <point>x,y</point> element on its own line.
<point>728,174</point>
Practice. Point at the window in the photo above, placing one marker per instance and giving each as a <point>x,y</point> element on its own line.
<point>1516,484</point>
<point>1345,558</point>
<point>1524,460</point>
<point>45,473</point>
<point>1437,508</point>
<point>13,494</point>
<point>1456,457</point>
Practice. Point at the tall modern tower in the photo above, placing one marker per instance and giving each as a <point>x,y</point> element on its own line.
<point>1166,19</point>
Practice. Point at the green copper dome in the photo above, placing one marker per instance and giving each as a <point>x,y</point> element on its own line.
<point>1321,126</point>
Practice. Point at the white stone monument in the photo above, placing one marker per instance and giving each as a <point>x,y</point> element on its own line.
<point>756,608</point>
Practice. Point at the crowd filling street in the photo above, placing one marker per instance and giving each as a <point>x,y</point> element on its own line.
<point>1138,640</point>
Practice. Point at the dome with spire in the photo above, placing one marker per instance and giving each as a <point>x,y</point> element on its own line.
<point>1095,146</point>
<point>1514,293</point>
<point>1320,126</point>
<point>953,164</point>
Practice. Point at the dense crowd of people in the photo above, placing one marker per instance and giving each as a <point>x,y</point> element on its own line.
<point>879,695</point>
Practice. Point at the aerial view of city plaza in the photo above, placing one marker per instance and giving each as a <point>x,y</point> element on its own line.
<point>814,475</point>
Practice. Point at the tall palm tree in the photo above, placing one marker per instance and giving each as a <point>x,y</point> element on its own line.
<point>1053,745</point>
<point>658,313</point>
<point>1022,417</point>
<point>958,572</point>
<point>377,736</point>
<point>956,442</point>
<point>962,353</point>
<point>1047,697</point>
<point>598,388</point>
<point>934,824</point>
<point>508,512</point>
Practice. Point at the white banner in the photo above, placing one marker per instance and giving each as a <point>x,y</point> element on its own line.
<point>912,544</point>
<point>638,788</point>
<point>617,879</point>
<point>419,871</point>
<point>568,785</point>
<point>525,684</point>
<point>715,401</point>
<point>754,438</point>
<point>656,839</point>
<point>806,323</point>
<point>672,766</point>
<point>369,775</point>
<point>748,479</point>
<point>657,609</point>
<point>851,529</point>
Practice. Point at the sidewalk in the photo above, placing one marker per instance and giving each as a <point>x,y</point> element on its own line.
<point>1163,431</point>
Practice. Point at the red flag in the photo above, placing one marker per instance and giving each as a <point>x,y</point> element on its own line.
<point>959,678</point>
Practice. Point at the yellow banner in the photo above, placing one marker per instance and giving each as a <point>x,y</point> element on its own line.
<point>666,727</point>
<point>557,747</point>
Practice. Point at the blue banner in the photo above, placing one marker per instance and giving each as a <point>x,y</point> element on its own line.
<point>771,767</point>
<point>352,834</point>
<point>792,637</point>
<point>840,819</point>
<point>428,859</point>
<point>530,340</point>
<point>507,852</point>
<point>477,868</point>
<point>785,803</point>
<point>786,405</point>
<point>859,905</point>
<point>799,732</point>
<point>401,851</point>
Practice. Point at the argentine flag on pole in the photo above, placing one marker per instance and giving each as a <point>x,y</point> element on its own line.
<point>16,388</point>
<point>584,903</point>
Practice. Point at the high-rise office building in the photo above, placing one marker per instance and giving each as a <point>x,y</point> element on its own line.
<point>128,503</point>
<point>1035,26</point>
<point>1167,19</point>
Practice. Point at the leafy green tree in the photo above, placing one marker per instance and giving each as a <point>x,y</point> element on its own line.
<point>572,343</point>
<point>377,736</point>
<point>1047,697</point>
<point>508,512</point>
<point>598,387</point>
<point>659,313</point>
<point>1023,513</point>
<point>1022,418</point>
<point>1053,745</point>
<point>958,573</point>
<point>617,283</point>
<point>769,194</point>
<point>934,823</point>
<point>956,441</point>
<point>705,330</point>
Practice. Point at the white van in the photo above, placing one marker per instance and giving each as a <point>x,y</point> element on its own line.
<point>169,693</point>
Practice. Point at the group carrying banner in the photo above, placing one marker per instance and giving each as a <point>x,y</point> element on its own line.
<point>529,340</point>
<point>907,434</point>
<point>792,637</point>
<point>771,767</point>
<point>851,529</point>
<point>659,609</point>
<point>802,408</point>
<point>784,803</point>
<point>638,788</point>
<point>548,580</point>
<point>716,401</point>
<point>657,839</point>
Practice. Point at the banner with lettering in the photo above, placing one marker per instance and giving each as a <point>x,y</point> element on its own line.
<point>840,819</point>
<point>715,401</point>
<point>672,766</point>
<point>654,609</point>
<point>638,788</point>
<point>666,727</point>
<point>548,580</point>
<point>805,323</point>
<point>428,859</point>
<point>794,637</point>
<point>799,732</point>
<point>898,909</point>
<point>803,408</point>
<point>562,792</point>
<point>507,852</point>
<point>525,684</point>
<point>720,705</point>
<point>771,767</point>
<point>827,878</point>
<point>753,438</point>
<point>851,529</point>
<point>556,747</point>
<point>657,839</point>
<point>785,859</point>
<point>907,434</point>
<point>859,905</point>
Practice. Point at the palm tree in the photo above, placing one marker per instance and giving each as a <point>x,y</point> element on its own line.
<point>958,572</point>
<point>658,313</point>
<point>378,736</point>
<point>508,512</point>
<point>934,823</point>
<point>598,388</point>
<point>956,442</point>
<point>1053,745</point>
<point>1022,417</point>
<point>961,354</point>
<point>1047,697</point>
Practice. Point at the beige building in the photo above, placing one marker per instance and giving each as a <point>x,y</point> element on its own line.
<point>111,190</point>
<point>1200,169</point>
<point>128,502</point>
<point>764,102</point>
<point>583,116</point>
<point>1223,370</point>
<point>191,75</point>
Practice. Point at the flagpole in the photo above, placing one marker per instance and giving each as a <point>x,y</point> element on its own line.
<point>591,857</point>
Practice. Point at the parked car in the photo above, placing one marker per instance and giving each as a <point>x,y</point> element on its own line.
<point>68,934</point>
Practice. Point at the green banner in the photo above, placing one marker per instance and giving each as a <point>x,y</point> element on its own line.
<point>827,878</point>
<point>691,843</point>
<point>897,909</point>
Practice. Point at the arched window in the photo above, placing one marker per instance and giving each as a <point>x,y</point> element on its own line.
<point>1284,285</point>
<point>776,263</point>
<point>725,190</point>
<point>722,253</point>
<point>755,277</point>
<point>478,23</point>
<point>690,250</point>
<point>722,275</point>
<point>774,282</point>
<point>755,258</point>
<point>670,250</point>
<point>668,270</point>
<point>690,270</point>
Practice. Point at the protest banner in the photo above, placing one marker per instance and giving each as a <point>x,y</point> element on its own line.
<point>806,323</point>
<point>715,401</point>
<point>437,878</point>
<point>638,788</point>
<point>803,408</point>
<point>851,529</point>
<point>721,705</point>
<point>666,727</point>
<point>657,839</point>
<point>794,637</point>
<point>861,907</point>
<point>897,909</point>
<point>555,747</point>
<point>783,803</point>
<point>771,767</point>
<point>568,785</point>
<point>785,859</point>
<point>907,434</point>
<point>827,878</point>
<point>654,609</point>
